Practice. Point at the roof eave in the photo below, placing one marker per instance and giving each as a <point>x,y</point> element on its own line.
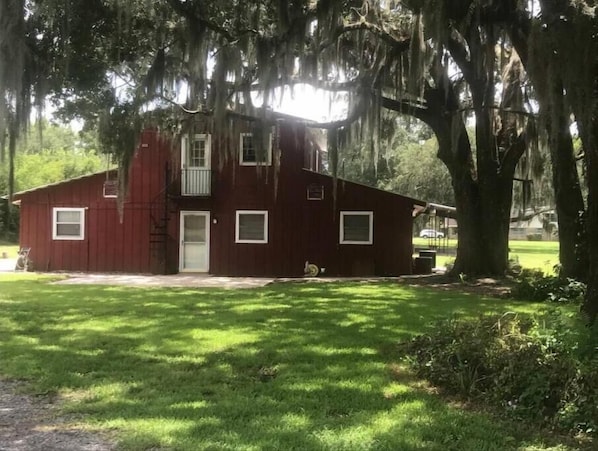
<point>51,185</point>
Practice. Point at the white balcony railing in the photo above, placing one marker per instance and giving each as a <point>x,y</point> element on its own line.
<point>196,182</point>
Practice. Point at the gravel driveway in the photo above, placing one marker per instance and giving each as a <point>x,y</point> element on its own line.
<point>30,423</point>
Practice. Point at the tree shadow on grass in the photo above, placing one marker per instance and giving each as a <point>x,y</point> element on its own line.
<point>283,367</point>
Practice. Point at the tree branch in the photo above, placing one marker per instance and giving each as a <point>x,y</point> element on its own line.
<point>332,86</point>
<point>353,115</point>
<point>500,109</point>
<point>460,56</point>
<point>400,44</point>
<point>513,153</point>
<point>186,10</point>
<point>407,106</point>
<point>272,117</point>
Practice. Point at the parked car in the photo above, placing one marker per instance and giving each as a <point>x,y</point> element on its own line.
<point>431,233</point>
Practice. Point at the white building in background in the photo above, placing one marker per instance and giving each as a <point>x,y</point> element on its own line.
<point>534,226</point>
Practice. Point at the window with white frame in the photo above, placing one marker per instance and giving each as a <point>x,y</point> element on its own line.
<point>68,223</point>
<point>356,227</point>
<point>196,154</point>
<point>251,226</point>
<point>110,189</point>
<point>251,153</point>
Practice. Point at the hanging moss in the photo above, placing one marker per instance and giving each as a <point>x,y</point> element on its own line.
<point>158,47</point>
<point>17,75</point>
<point>119,130</point>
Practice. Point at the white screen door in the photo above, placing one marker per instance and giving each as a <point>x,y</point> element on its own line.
<point>195,241</point>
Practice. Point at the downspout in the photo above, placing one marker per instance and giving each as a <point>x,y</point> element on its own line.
<point>87,236</point>
<point>50,245</point>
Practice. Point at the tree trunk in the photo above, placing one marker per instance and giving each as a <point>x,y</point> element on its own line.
<point>590,305</point>
<point>484,202</point>
<point>483,210</point>
<point>483,192</point>
<point>483,197</point>
<point>573,254</point>
<point>12,150</point>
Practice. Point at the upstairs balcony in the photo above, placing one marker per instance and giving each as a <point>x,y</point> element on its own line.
<point>196,182</point>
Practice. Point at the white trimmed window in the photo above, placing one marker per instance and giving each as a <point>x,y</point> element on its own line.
<point>356,227</point>
<point>197,154</point>
<point>251,226</point>
<point>250,154</point>
<point>110,189</point>
<point>68,223</point>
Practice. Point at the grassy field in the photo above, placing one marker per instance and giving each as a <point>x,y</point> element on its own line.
<point>535,254</point>
<point>10,249</point>
<point>289,366</point>
<point>530,254</point>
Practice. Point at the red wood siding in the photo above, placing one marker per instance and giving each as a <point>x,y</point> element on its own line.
<point>109,244</point>
<point>300,230</point>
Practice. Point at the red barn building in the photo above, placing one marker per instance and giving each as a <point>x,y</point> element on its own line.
<point>189,209</point>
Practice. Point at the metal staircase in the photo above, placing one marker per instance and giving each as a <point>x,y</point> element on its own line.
<point>159,215</point>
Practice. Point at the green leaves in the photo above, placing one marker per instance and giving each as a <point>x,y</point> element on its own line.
<point>59,154</point>
<point>531,368</point>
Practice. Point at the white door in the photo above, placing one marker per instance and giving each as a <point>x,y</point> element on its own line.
<point>195,172</point>
<point>195,241</point>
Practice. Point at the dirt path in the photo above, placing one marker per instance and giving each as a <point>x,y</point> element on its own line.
<point>29,423</point>
<point>500,288</point>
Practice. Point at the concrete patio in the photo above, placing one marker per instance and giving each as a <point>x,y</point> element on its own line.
<point>174,280</point>
<point>177,280</point>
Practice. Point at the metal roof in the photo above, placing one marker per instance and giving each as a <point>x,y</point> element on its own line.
<point>61,182</point>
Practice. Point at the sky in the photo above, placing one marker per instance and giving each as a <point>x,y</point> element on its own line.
<point>306,102</point>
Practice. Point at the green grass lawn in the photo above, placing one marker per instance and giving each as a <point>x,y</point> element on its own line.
<point>289,366</point>
<point>535,254</point>
<point>530,254</point>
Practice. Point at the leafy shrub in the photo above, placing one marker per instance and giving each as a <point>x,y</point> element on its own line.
<point>579,407</point>
<point>514,267</point>
<point>515,363</point>
<point>533,285</point>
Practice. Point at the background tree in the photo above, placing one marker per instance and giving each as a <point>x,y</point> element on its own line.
<point>471,56</point>
<point>407,163</point>
<point>531,35</point>
<point>567,24</point>
<point>57,154</point>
